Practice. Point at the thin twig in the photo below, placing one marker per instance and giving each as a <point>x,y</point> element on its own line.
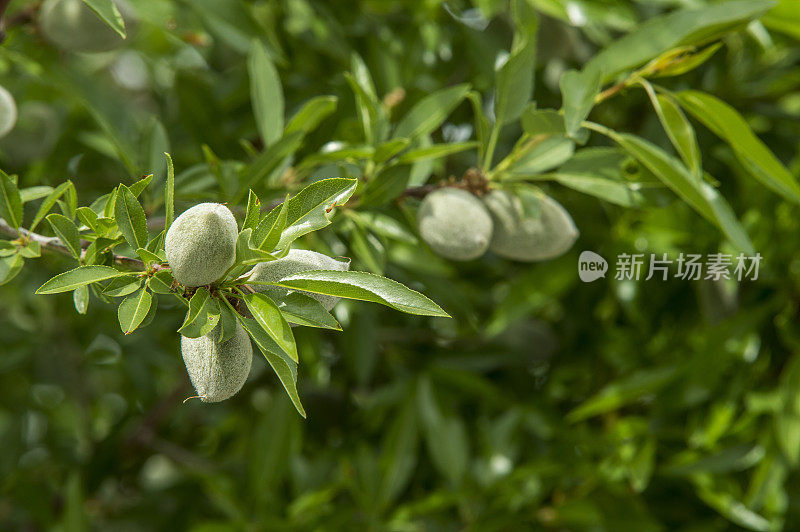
<point>52,243</point>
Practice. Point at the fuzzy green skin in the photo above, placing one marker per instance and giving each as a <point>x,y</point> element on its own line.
<point>201,244</point>
<point>8,112</point>
<point>72,25</point>
<point>34,135</point>
<point>296,261</point>
<point>527,239</point>
<point>218,371</point>
<point>455,224</point>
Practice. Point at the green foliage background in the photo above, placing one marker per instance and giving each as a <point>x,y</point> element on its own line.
<point>545,403</point>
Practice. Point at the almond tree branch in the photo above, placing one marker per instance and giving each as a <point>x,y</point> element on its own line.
<point>52,243</point>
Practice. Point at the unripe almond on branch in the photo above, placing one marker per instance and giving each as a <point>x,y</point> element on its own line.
<point>296,261</point>
<point>455,224</point>
<point>8,112</point>
<point>71,25</point>
<point>218,370</point>
<point>526,238</point>
<point>201,244</point>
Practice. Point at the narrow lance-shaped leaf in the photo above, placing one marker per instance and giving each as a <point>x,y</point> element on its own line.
<point>311,208</point>
<point>684,27</point>
<point>284,367</point>
<point>83,275</point>
<point>700,195</point>
<point>130,218</point>
<point>10,201</point>
<point>266,93</point>
<point>514,83</point>
<point>67,232</point>
<point>312,113</point>
<point>430,112</point>
<point>304,310</point>
<point>269,317</point>
<point>578,91</point>
<point>253,212</point>
<point>169,193</point>
<point>49,201</point>
<point>108,13</point>
<point>203,315</point>
<point>677,127</point>
<point>133,310</point>
<point>725,122</point>
<point>365,287</point>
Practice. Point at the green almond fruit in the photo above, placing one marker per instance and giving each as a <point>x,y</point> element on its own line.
<point>455,224</point>
<point>296,261</point>
<point>71,25</point>
<point>201,244</point>
<point>526,238</point>
<point>8,112</point>
<point>218,370</point>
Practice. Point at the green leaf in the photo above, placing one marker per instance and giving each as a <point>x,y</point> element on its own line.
<point>545,155</point>
<point>725,122</point>
<point>161,282</point>
<point>148,257</point>
<point>543,122</point>
<point>368,249</point>
<point>681,61</point>
<point>314,111</point>
<point>227,323</point>
<point>578,91</point>
<point>10,266</point>
<point>122,286</point>
<point>304,310</point>
<point>700,195</point>
<point>365,287</point>
<point>268,233</point>
<point>203,315</point>
<point>31,250</point>
<point>130,218</point>
<point>430,112</point>
<point>623,392</point>
<point>678,129</point>
<point>270,158</point>
<point>83,275</point>
<point>399,452</point>
<point>253,212</point>
<point>311,209</point>
<point>138,187</point>
<point>732,509</point>
<point>169,193</point>
<point>371,113</point>
<point>784,17</point>
<point>10,202</point>
<point>133,310</point>
<point>155,146</point>
<point>389,149</point>
<point>436,151</point>
<point>80,298</point>
<point>269,317</point>
<point>679,28</point>
<point>514,83</point>
<point>88,218</point>
<point>67,232</point>
<point>108,13</point>
<point>34,193</point>
<point>445,436</point>
<point>284,367</point>
<point>266,93</point>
